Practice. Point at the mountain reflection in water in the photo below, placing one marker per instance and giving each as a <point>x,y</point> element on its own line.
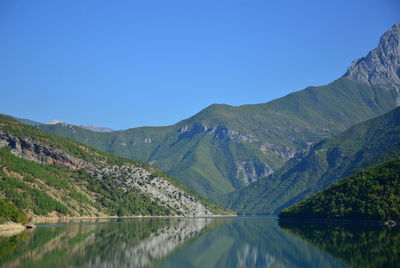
<point>126,243</point>
<point>199,242</point>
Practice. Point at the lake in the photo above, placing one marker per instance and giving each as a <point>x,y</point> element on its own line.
<point>201,242</point>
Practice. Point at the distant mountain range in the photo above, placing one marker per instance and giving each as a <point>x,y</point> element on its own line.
<point>56,122</point>
<point>224,148</point>
<point>90,127</point>
<point>97,128</point>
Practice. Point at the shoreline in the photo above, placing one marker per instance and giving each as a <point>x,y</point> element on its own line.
<point>9,229</point>
<point>52,219</point>
<point>387,223</point>
<point>11,226</point>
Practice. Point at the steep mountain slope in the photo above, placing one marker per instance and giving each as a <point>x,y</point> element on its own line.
<point>363,145</point>
<point>224,148</point>
<point>370,194</point>
<point>48,175</point>
<point>382,65</point>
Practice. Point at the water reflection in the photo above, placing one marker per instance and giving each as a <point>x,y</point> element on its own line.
<point>357,245</point>
<point>250,242</point>
<point>132,243</point>
<point>234,242</point>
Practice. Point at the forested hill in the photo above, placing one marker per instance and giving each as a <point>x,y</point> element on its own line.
<point>370,194</point>
<point>46,175</point>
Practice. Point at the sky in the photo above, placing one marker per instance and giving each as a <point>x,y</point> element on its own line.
<point>124,64</point>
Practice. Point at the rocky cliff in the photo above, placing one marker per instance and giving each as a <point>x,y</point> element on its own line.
<point>381,67</point>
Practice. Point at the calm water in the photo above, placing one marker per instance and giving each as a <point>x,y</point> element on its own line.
<point>202,242</point>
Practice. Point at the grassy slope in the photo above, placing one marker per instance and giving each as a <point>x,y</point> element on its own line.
<point>207,162</point>
<point>363,145</point>
<point>41,188</point>
<point>370,194</point>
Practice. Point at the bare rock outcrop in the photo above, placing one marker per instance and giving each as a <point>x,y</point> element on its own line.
<point>381,67</point>
<point>38,152</point>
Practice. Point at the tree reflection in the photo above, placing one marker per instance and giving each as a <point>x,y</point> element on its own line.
<point>357,245</point>
<point>134,243</point>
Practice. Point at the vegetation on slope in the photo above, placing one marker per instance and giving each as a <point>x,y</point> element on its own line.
<point>366,144</point>
<point>9,212</point>
<point>223,148</point>
<point>370,194</point>
<point>41,189</point>
<point>58,190</point>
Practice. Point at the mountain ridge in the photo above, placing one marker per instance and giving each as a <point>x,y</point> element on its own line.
<point>224,148</point>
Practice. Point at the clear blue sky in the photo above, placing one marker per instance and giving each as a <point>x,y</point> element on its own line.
<point>123,64</point>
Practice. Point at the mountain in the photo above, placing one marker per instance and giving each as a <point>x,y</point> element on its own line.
<point>330,160</point>
<point>27,121</point>
<point>55,122</point>
<point>225,148</point>
<point>381,67</point>
<point>97,128</point>
<point>90,127</point>
<point>370,194</point>
<point>45,175</point>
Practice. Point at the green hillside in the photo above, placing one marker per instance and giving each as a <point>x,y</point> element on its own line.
<point>224,148</point>
<point>46,175</point>
<point>370,194</point>
<point>363,145</point>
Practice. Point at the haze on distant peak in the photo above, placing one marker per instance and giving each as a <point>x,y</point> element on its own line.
<point>55,121</point>
<point>97,128</point>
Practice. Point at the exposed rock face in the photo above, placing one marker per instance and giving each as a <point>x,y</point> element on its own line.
<point>11,226</point>
<point>283,151</point>
<point>251,171</point>
<point>127,177</point>
<point>222,133</point>
<point>381,67</point>
<point>35,151</point>
<point>157,188</point>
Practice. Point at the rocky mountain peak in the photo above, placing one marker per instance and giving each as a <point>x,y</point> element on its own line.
<point>55,122</point>
<point>381,67</point>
